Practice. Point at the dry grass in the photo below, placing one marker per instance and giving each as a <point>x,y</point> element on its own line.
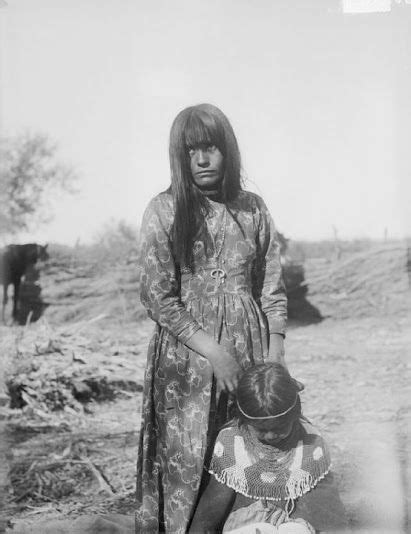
<point>75,375</point>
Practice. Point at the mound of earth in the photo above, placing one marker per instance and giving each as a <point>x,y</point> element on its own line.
<point>373,282</point>
<point>365,283</point>
<point>74,291</point>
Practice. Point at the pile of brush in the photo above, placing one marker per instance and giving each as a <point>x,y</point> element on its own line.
<point>59,468</point>
<point>58,369</point>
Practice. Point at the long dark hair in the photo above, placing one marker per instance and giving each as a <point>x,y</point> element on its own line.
<point>193,126</point>
<point>268,389</point>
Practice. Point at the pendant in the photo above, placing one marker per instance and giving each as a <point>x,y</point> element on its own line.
<point>219,276</point>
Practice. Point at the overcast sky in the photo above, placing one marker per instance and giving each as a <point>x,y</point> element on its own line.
<point>319,101</point>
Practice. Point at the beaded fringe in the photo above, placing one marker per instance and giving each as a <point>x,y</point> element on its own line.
<point>292,489</point>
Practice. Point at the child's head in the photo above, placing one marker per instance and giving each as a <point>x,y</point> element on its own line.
<point>268,402</point>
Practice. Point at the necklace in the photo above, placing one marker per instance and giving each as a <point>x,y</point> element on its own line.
<point>266,454</point>
<point>218,273</point>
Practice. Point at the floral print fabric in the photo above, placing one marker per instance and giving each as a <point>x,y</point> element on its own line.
<point>182,410</point>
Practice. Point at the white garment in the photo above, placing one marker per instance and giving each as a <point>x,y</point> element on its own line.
<point>292,527</point>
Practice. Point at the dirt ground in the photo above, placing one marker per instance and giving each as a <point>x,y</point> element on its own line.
<point>357,390</point>
<point>70,386</point>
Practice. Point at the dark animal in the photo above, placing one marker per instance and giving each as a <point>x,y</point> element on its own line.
<point>14,262</point>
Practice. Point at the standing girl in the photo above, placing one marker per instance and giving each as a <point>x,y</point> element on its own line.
<point>211,280</point>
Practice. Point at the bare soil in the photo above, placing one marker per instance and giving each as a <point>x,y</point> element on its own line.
<point>63,455</point>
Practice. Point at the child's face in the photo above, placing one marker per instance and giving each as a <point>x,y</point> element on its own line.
<point>272,433</point>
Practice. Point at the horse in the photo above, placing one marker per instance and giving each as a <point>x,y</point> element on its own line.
<point>14,262</point>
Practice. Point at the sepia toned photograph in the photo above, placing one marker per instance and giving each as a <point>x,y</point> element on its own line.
<point>205,266</point>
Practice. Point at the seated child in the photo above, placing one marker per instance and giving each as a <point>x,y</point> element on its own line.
<point>269,466</point>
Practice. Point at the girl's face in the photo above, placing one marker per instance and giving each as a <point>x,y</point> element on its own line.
<point>207,166</point>
<point>272,433</point>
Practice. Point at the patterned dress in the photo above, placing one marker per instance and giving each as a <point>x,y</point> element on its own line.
<point>182,409</point>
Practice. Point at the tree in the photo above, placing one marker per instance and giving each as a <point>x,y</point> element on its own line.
<point>29,172</point>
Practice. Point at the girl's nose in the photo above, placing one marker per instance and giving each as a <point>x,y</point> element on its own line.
<point>202,157</point>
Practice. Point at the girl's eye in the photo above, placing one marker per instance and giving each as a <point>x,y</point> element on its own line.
<point>206,148</point>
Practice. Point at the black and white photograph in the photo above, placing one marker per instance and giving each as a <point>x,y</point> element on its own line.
<point>205,266</point>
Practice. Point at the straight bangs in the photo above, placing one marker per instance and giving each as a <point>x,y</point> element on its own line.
<point>201,128</point>
<point>203,124</point>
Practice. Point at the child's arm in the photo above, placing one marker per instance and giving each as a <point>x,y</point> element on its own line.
<point>213,508</point>
<point>322,507</point>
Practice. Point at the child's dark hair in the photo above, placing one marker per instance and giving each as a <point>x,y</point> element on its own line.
<point>268,390</point>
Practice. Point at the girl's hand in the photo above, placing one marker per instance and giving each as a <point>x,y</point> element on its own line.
<point>225,367</point>
<point>226,370</point>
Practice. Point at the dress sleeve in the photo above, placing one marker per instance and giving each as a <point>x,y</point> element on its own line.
<point>269,286</point>
<point>159,282</point>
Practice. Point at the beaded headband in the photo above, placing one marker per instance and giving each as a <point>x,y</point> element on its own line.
<point>268,416</point>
